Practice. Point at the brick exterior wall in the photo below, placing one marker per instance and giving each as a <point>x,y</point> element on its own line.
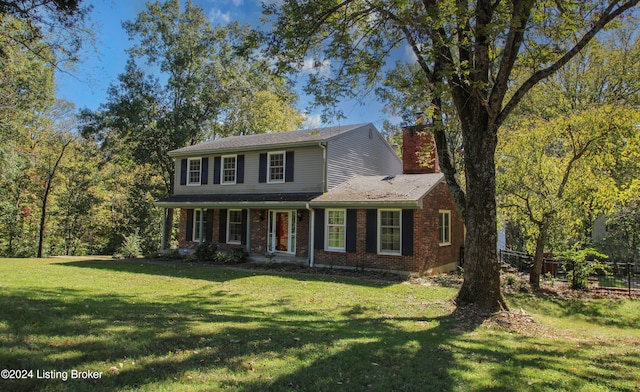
<point>258,221</point>
<point>418,150</point>
<point>428,256</point>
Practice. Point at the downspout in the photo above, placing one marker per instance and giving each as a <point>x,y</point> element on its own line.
<point>325,162</point>
<point>312,214</point>
<point>312,218</point>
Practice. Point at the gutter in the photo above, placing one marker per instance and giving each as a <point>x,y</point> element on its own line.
<point>222,151</point>
<point>325,163</point>
<point>415,204</point>
<point>237,204</point>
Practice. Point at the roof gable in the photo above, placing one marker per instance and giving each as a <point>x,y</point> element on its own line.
<point>266,141</point>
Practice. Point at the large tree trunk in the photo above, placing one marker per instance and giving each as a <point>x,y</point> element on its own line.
<point>481,286</point>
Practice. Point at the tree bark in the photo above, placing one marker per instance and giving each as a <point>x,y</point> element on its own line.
<point>481,286</point>
<point>538,257</point>
<point>45,197</point>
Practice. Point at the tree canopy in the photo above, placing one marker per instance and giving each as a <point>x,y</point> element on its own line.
<point>482,55</point>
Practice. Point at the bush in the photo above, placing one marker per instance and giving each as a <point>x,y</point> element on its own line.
<point>131,246</point>
<point>237,255</point>
<point>206,252</point>
<point>516,283</point>
<point>582,263</point>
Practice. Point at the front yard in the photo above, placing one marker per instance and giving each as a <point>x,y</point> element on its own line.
<point>122,325</point>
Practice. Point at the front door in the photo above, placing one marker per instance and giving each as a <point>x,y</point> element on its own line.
<point>282,231</point>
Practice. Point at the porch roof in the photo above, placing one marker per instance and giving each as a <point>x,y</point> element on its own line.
<point>402,190</point>
<point>258,200</point>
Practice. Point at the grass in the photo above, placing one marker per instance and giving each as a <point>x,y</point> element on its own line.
<point>164,327</point>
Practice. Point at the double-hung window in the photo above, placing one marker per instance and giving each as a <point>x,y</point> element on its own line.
<point>390,232</point>
<point>336,230</point>
<point>197,217</point>
<point>229,165</point>
<point>195,170</point>
<point>444,227</point>
<point>275,170</point>
<point>234,226</point>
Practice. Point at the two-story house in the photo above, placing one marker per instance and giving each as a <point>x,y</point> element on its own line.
<point>332,196</point>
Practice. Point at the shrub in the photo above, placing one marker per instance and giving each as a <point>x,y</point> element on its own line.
<point>206,252</point>
<point>237,255</point>
<point>582,263</point>
<point>131,246</point>
<point>221,258</point>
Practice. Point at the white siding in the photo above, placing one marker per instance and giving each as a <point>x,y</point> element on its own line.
<point>307,176</point>
<point>362,151</point>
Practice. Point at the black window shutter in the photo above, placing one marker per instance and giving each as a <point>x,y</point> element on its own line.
<point>183,172</point>
<point>216,170</point>
<point>318,228</point>
<point>240,169</point>
<point>351,230</point>
<point>222,233</point>
<point>372,231</point>
<point>208,226</point>
<point>288,170</point>
<point>243,236</point>
<point>204,178</point>
<point>407,232</point>
<point>262,172</point>
<point>189,234</point>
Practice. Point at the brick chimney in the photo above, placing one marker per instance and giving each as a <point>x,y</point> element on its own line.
<point>419,150</point>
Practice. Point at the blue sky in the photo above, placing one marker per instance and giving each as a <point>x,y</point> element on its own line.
<point>87,84</point>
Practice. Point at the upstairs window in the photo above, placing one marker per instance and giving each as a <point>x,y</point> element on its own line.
<point>275,170</point>
<point>444,227</point>
<point>229,165</point>
<point>195,171</point>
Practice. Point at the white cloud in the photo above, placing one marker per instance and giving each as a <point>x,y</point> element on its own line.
<point>316,67</point>
<point>237,3</point>
<point>311,121</point>
<point>215,15</point>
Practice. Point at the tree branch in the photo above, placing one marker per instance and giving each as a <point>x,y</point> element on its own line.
<point>608,16</point>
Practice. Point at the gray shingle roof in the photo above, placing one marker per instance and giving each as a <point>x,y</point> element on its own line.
<point>401,189</point>
<point>268,140</point>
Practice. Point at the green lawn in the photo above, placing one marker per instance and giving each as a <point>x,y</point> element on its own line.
<point>153,326</point>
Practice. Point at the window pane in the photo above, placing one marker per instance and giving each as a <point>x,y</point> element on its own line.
<point>194,171</point>
<point>390,231</point>
<point>235,226</point>
<point>336,229</point>
<point>229,169</point>
<point>445,227</point>
<point>276,167</point>
<point>336,217</point>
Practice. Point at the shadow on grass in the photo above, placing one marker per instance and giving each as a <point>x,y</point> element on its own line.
<point>214,273</point>
<point>601,311</point>
<point>216,341</point>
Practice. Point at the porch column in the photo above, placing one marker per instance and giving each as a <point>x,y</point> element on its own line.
<point>312,235</point>
<point>163,244</point>
<point>248,235</point>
